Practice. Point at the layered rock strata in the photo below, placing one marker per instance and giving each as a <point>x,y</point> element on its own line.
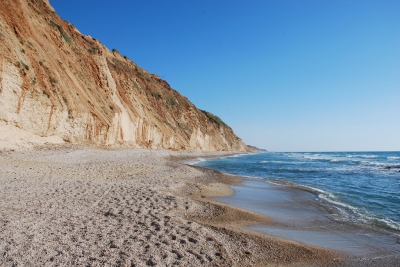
<point>54,81</point>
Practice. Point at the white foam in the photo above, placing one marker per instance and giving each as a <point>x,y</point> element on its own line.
<point>238,155</point>
<point>295,155</point>
<point>313,157</point>
<point>326,196</point>
<point>390,223</point>
<point>331,198</point>
<point>368,156</point>
<point>352,163</point>
<point>332,158</point>
<point>304,187</point>
<point>347,212</point>
<point>274,183</point>
<point>363,217</point>
<point>371,163</point>
<point>280,162</point>
<point>194,161</point>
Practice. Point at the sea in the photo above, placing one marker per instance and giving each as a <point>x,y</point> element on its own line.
<point>362,187</point>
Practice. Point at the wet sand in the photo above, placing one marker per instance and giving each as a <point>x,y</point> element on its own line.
<point>82,206</point>
<point>298,216</point>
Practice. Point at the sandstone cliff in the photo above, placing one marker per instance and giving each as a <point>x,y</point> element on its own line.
<point>54,81</point>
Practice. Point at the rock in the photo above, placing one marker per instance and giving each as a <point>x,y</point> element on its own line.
<point>55,81</point>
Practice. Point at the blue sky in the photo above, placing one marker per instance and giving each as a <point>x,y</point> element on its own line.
<point>285,75</point>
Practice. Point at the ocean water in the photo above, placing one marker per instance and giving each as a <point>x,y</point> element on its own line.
<point>360,187</point>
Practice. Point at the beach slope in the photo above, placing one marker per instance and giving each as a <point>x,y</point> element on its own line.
<point>81,206</point>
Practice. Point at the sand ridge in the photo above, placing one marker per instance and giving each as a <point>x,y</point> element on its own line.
<point>82,206</point>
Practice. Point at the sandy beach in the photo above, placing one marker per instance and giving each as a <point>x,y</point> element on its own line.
<point>82,206</point>
<point>95,149</point>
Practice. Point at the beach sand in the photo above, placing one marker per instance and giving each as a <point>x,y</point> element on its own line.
<point>82,206</point>
<point>298,215</point>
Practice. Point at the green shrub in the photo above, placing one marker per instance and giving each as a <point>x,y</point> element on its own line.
<point>66,37</point>
<point>170,101</point>
<point>183,102</point>
<point>122,66</point>
<point>55,26</point>
<point>93,50</point>
<point>156,95</point>
<point>24,65</point>
<point>214,118</point>
<point>185,127</point>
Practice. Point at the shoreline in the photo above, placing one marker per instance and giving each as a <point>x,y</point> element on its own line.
<point>300,217</point>
<point>235,220</point>
<point>74,205</point>
<point>361,246</point>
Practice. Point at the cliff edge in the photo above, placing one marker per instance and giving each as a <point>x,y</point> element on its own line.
<point>56,82</point>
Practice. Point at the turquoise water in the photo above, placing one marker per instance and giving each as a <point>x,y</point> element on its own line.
<point>361,187</point>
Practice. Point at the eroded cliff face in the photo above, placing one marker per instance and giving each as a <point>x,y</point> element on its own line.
<point>54,81</point>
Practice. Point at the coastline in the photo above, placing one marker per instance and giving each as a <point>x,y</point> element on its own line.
<point>294,214</point>
<point>86,206</point>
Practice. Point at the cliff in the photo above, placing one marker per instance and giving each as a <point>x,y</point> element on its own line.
<point>54,81</point>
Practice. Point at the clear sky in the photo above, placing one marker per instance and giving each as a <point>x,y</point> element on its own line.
<point>285,75</point>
